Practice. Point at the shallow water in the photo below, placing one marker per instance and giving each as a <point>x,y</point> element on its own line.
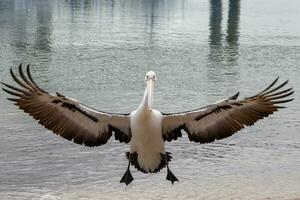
<point>202,51</point>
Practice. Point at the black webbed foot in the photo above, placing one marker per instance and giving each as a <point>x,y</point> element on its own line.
<point>171,177</point>
<point>127,177</point>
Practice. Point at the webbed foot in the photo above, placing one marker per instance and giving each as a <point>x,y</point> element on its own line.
<point>127,177</point>
<point>170,176</point>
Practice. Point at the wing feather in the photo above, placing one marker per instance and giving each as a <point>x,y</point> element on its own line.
<point>66,116</point>
<point>226,117</point>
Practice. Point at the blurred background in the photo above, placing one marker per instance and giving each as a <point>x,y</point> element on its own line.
<point>202,51</point>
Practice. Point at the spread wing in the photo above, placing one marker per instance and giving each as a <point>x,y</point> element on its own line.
<point>226,117</point>
<point>66,116</point>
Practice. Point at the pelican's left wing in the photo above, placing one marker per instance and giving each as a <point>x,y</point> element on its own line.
<point>224,118</point>
<point>66,116</point>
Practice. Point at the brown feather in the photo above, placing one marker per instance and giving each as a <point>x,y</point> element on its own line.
<point>223,119</point>
<point>67,117</point>
<point>19,81</point>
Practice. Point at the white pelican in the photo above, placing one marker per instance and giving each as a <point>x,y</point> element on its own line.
<point>146,129</point>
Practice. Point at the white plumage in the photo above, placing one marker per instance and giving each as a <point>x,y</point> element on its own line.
<point>147,139</point>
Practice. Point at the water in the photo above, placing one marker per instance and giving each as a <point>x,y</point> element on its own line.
<point>202,51</point>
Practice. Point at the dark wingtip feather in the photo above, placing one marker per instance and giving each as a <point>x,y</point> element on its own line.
<point>274,89</point>
<point>279,93</point>
<point>13,99</point>
<point>11,71</point>
<point>28,71</point>
<point>11,92</point>
<point>282,101</point>
<point>21,71</point>
<point>234,97</point>
<point>20,66</point>
<point>29,74</point>
<point>271,85</point>
<point>21,83</point>
<point>280,107</point>
<point>281,96</point>
<point>14,88</point>
<point>25,79</point>
<point>59,95</point>
<point>265,90</point>
<point>31,79</point>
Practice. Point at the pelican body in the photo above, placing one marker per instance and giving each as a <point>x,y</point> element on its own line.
<point>145,129</point>
<point>147,146</point>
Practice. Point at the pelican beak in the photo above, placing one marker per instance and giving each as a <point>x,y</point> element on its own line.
<point>150,93</point>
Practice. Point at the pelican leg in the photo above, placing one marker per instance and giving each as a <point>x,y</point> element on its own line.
<point>170,176</point>
<point>127,177</point>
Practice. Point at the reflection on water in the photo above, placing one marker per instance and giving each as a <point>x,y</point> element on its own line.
<point>44,26</point>
<point>98,52</point>
<point>233,21</point>
<point>224,52</point>
<point>223,46</point>
<point>215,22</point>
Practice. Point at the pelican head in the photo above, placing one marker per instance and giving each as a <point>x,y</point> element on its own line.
<point>150,75</point>
<point>150,78</point>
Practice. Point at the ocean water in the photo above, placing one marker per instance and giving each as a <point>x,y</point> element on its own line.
<point>202,51</point>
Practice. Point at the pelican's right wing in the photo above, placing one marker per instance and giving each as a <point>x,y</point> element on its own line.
<point>224,118</point>
<point>66,116</point>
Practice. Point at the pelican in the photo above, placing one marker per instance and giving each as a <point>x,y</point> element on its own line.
<point>145,129</point>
